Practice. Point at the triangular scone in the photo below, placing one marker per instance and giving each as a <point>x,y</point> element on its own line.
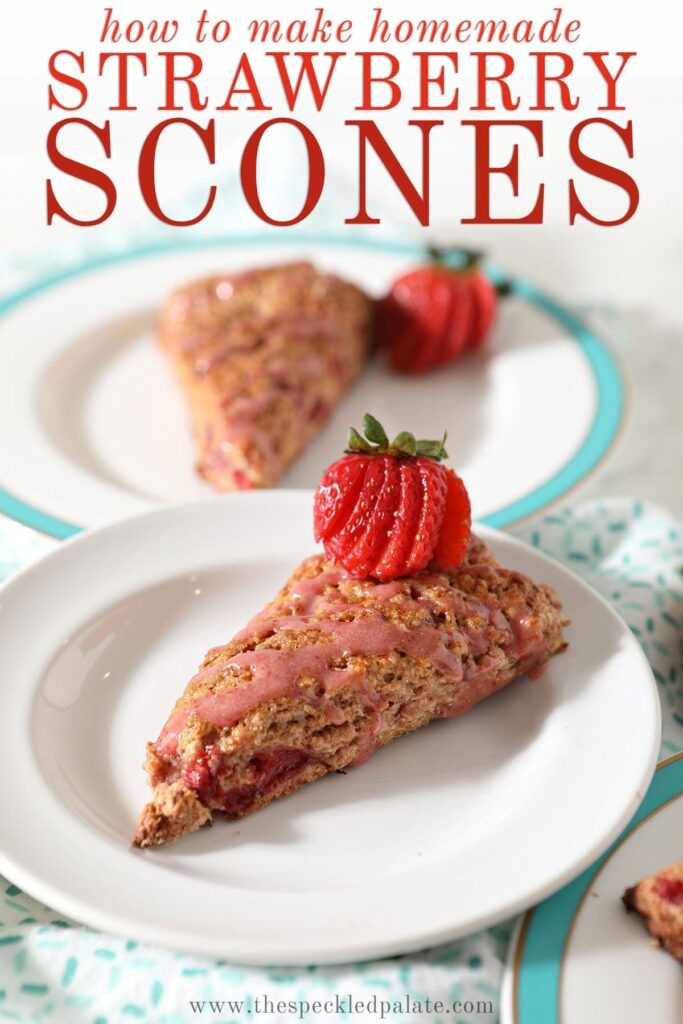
<point>659,900</point>
<point>332,669</point>
<point>263,357</point>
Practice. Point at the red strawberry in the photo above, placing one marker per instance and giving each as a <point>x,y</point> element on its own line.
<point>394,556</point>
<point>337,494</point>
<point>361,558</point>
<point>197,773</point>
<point>433,313</point>
<point>379,510</point>
<point>345,540</point>
<point>433,479</point>
<point>454,535</point>
<point>424,320</point>
<point>485,302</point>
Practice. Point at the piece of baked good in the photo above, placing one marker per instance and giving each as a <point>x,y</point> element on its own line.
<point>263,357</point>
<point>334,668</point>
<point>659,901</point>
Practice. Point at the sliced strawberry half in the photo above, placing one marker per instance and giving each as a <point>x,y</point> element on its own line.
<point>432,481</point>
<point>337,494</point>
<point>379,510</point>
<point>456,525</point>
<point>363,558</point>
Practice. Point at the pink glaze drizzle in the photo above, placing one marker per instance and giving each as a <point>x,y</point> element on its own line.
<point>275,672</point>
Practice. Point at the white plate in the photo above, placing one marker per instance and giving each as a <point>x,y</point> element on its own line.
<point>606,969</point>
<point>453,827</point>
<point>93,427</point>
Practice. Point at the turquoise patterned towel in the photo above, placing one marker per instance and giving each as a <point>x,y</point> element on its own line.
<point>54,970</point>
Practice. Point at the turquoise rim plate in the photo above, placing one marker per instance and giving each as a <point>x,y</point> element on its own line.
<point>609,384</point>
<point>544,933</point>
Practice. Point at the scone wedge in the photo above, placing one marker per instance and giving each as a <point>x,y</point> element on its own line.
<point>263,357</point>
<point>333,668</point>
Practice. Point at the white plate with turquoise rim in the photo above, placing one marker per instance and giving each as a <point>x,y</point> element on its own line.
<point>93,427</point>
<point>446,831</point>
<point>580,958</point>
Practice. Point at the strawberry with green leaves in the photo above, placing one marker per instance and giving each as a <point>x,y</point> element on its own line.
<point>436,312</point>
<point>389,509</point>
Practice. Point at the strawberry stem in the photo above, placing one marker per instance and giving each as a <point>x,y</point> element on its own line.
<point>373,430</point>
<point>404,445</point>
<point>435,254</point>
<point>471,258</point>
<point>439,254</point>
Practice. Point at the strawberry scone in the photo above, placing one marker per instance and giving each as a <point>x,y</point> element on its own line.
<point>659,900</point>
<point>263,357</point>
<point>422,625</point>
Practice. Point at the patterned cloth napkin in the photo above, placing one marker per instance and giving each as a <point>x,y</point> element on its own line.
<point>52,969</point>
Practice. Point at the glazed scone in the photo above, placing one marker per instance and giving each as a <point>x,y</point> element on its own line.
<point>659,901</point>
<point>334,668</point>
<point>263,357</point>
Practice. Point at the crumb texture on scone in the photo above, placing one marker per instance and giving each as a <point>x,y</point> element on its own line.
<point>335,667</point>
<point>659,901</point>
<point>263,357</point>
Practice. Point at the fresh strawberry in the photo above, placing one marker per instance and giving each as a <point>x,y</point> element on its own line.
<point>394,556</point>
<point>433,478</point>
<point>434,313</point>
<point>484,306</point>
<point>424,321</point>
<point>346,543</point>
<point>380,509</point>
<point>454,535</point>
<point>460,326</point>
<point>338,493</point>
<point>361,558</point>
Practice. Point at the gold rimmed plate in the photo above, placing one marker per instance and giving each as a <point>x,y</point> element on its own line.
<point>579,958</point>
